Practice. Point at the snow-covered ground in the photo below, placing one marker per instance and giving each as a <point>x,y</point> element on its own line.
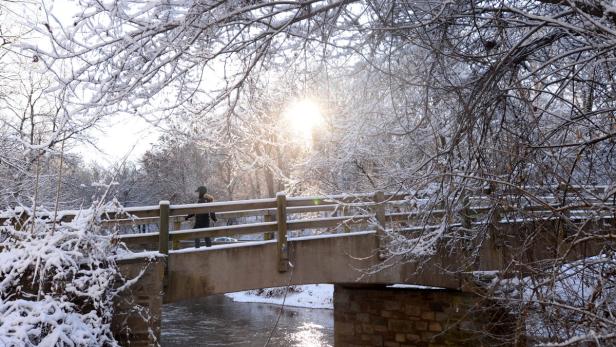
<point>310,296</point>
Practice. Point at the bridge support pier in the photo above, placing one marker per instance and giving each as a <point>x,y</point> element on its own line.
<point>403,317</point>
<point>137,309</point>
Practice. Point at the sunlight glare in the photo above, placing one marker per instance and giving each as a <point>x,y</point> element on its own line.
<point>303,117</point>
<point>308,335</point>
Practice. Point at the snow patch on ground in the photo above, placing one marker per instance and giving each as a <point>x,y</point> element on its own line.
<point>413,286</point>
<point>309,296</point>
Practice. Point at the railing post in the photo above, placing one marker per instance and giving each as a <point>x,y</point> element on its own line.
<point>163,236</point>
<point>379,214</point>
<point>281,217</point>
<point>268,218</point>
<point>496,238</point>
<point>346,226</point>
<point>465,213</point>
<point>177,225</point>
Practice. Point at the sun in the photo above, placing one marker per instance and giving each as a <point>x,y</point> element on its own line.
<point>303,117</point>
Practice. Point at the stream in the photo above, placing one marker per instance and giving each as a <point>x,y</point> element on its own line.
<point>219,321</point>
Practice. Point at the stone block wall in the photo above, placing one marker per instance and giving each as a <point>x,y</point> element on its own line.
<point>136,322</point>
<point>392,317</point>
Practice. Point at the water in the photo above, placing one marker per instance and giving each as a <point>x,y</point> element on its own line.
<point>218,321</point>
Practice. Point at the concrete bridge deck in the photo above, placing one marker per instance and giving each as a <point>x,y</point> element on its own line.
<point>343,258</point>
<point>351,259</point>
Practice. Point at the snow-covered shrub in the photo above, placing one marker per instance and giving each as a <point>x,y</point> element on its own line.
<point>56,286</point>
<point>568,305</point>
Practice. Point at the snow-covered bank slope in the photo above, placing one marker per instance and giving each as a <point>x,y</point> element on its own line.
<point>310,296</point>
<point>57,284</point>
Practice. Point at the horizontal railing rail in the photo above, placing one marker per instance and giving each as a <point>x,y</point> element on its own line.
<point>229,209</point>
<point>319,222</point>
<point>303,204</point>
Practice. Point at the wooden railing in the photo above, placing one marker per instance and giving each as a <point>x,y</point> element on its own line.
<point>279,216</point>
<point>357,210</point>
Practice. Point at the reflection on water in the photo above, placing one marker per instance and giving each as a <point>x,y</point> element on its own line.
<point>218,321</point>
<point>308,335</point>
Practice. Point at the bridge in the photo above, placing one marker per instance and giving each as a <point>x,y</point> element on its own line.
<point>350,244</point>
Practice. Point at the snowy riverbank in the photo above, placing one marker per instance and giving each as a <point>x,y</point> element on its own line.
<point>309,296</point>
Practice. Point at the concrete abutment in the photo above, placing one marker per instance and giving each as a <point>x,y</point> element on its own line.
<point>137,309</point>
<point>402,317</point>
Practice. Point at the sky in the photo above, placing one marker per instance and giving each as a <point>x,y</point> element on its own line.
<point>117,138</point>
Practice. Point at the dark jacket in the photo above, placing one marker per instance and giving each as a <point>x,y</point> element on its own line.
<point>202,220</point>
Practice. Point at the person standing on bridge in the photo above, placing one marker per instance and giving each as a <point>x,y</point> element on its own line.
<point>202,220</point>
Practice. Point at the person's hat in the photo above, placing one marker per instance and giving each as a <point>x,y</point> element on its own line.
<point>201,190</point>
